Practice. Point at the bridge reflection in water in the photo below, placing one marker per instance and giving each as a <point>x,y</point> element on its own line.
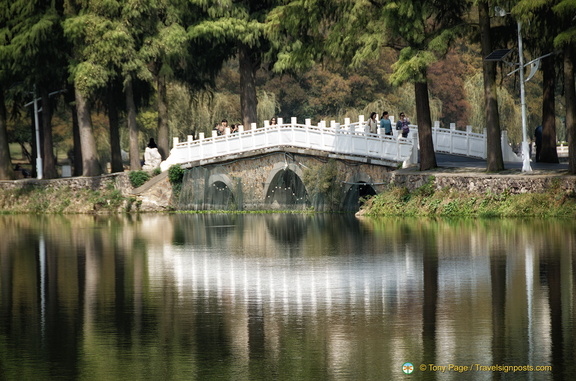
<point>308,297</point>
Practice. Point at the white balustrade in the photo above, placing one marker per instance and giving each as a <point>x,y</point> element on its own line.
<point>349,139</point>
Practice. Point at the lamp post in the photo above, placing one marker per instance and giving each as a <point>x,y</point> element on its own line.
<point>39,172</point>
<point>525,148</point>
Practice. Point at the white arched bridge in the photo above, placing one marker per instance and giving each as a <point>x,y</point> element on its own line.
<point>353,140</point>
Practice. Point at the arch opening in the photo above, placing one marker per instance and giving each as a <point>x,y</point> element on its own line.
<point>286,191</point>
<point>354,195</point>
<point>220,196</point>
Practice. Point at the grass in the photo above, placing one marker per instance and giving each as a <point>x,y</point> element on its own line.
<point>39,200</point>
<point>426,201</point>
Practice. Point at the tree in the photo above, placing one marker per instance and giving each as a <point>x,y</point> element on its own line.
<point>90,162</point>
<point>566,40</point>
<point>543,26</point>
<point>87,75</point>
<point>34,45</point>
<point>6,171</point>
<point>238,28</point>
<point>494,159</point>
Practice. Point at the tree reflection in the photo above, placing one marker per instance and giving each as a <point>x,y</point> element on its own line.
<point>301,296</point>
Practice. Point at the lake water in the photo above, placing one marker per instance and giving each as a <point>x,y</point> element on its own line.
<point>285,297</point>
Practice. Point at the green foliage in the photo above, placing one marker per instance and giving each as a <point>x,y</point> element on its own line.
<point>176,174</point>
<point>323,184</point>
<point>138,178</point>
<point>425,201</point>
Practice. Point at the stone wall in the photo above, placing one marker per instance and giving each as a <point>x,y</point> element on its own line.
<point>119,181</point>
<point>482,183</point>
<point>254,176</point>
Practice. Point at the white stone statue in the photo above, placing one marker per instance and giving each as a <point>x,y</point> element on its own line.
<point>152,157</point>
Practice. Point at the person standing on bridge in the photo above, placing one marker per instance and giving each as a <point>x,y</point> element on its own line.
<point>399,121</point>
<point>385,124</point>
<point>372,123</point>
<point>403,124</point>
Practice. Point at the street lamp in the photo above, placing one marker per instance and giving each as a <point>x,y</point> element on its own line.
<point>525,149</point>
<point>39,171</point>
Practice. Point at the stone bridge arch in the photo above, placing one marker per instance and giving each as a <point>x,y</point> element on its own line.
<point>358,185</point>
<point>220,192</point>
<point>284,187</point>
<point>275,181</point>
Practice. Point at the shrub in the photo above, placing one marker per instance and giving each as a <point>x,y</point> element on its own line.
<point>138,178</point>
<point>175,174</point>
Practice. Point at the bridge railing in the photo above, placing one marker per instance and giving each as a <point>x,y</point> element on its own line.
<point>348,139</point>
<point>467,143</point>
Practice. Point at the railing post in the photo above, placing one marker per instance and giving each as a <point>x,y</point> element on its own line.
<point>452,129</point>
<point>201,138</point>
<point>253,126</point>
<point>361,123</point>
<point>280,121</point>
<point>214,133</point>
<point>346,122</point>
<point>190,139</point>
<point>468,132</point>
<point>240,128</point>
<point>435,132</point>
<point>266,123</point>
<point>332,124</point>
<point>308,122</point>
<point>294,120</point>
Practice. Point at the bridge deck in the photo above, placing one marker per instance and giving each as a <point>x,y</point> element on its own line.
<point>357,144</point>
<point>351,139</point>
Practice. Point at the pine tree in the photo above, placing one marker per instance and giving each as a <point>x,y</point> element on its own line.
<point>237,28</point>
<point>33,44</point>
<point>566,40</point>
<point>543,25</point>
<point>494,159</point>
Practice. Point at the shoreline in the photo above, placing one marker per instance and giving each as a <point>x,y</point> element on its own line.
<point>434,189</point>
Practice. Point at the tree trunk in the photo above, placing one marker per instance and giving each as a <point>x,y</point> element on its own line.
<point>494,159</point>
<point>132,127</point>
<point>113,120</point>
<point>90,163</point>
<point>570,96</point>
<point>163,143</point>
<point>76,155</point>
<point>48,159</point>
<point>6,171</point>
<point>248,99</point>
<point>427,154</point>
<point>549,154</point>
<point>78,167</point>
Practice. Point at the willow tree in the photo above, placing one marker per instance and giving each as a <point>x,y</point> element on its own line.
<point>237,27</point>
<point>566,40</point>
